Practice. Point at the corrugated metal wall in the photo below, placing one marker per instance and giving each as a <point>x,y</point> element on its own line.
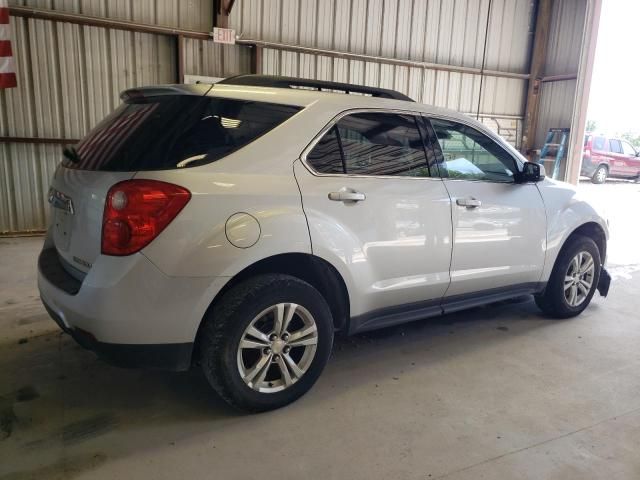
<point>202,57</point>
<point>557,99</point>
<point>188,14</point>
<point>441,31</point>
<point>437,31</point>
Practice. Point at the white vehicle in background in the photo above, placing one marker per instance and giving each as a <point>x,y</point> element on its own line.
<point>238,226</point>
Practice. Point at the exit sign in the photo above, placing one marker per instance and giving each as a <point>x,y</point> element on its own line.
<point>224,35</point>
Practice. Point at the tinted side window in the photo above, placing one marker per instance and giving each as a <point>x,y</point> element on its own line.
<point>616,146</point>
<point>628,149</point>
<point>325,156</point>
<point>471,155</point>
<point>382,144</point>
<point>601,144</point>
<point>174,131</point>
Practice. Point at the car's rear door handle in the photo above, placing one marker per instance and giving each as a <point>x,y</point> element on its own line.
<point>347,196</point>
<point>469,202</point>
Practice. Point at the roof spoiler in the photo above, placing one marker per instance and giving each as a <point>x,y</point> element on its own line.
<point>159,90</point>
<point>274,81</point>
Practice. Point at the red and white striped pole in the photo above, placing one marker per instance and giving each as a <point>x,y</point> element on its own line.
<point>7,66</point>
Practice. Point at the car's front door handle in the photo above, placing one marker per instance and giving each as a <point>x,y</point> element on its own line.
<point>347,196</point>
<point>469,202</point>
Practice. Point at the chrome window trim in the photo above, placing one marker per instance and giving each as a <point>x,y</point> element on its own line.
<point>426,116</point>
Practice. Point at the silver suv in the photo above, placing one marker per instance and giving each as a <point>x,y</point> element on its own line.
<point>239,226</point>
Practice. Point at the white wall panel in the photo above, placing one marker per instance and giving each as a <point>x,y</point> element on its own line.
<point>439,31</point>
<point>565,37</point>
<point>25,171</point>
<point>202,57</point>
<point>450,32</point>
<point>501,97</point>
<point>187,14</point>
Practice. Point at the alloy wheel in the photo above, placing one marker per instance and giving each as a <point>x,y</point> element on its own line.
<point>277,347</point>
<point>579,278</point>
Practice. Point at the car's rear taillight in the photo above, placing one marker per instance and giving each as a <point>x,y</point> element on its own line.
<point>586,153</point>
<point>136,211</point>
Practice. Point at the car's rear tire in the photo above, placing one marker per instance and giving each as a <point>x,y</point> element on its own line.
<point>573,280</point>
<point>266,342</point>
<point>600,175</point>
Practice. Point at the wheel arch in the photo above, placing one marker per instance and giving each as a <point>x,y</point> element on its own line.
<point>314,270</point>
<point>592,230</point>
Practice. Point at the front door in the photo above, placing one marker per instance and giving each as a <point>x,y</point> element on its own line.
<point>631,159</point>
<point>376,212</point>
<point>499,227</point>
<point>618,163</point>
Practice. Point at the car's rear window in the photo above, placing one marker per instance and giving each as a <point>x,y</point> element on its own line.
<point>174,131</point>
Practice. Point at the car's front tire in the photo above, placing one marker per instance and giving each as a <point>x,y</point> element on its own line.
<point>573,280</point>
<point>266,342</point>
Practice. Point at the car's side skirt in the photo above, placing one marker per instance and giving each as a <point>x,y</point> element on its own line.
<point>386,317</point>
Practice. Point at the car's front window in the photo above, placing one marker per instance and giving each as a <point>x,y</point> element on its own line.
<point>468,154</point>
<point>628,149</point>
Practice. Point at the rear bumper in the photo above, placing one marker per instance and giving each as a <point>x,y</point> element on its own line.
<point>170,356</point>
<point>128,311</point>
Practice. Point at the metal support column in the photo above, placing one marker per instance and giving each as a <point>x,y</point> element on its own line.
<point>540,42</point>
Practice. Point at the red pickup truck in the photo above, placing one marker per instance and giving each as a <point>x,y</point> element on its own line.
<point>604,157</point>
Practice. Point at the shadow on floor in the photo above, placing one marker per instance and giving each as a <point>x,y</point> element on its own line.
<point>60,396</point>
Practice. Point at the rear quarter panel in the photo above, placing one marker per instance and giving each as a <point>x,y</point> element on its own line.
<point>195,244</point>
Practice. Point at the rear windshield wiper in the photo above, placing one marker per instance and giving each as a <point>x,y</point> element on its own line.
<point>71,154</point>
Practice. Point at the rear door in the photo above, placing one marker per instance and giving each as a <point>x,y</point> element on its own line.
<point>499,227</point>
<point>378,211</point>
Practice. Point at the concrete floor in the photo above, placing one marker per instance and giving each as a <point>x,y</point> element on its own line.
<point>496,392</point>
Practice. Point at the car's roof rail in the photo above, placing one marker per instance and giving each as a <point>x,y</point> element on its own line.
<point>275,81</point>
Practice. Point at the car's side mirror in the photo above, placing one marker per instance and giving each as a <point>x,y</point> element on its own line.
<point>531,172</point>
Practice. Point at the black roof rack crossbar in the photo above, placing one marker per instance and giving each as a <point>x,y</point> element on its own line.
<point>291,82</point>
